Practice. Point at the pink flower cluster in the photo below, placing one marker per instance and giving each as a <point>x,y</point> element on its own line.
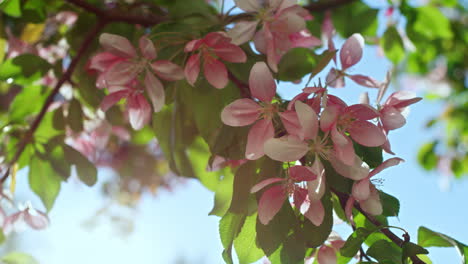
<point>26,216</point>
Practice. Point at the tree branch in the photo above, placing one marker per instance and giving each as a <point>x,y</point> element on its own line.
<point>326,5</point>
<point>50,99</point>
<point>243,87</point>
<point>397,240</point>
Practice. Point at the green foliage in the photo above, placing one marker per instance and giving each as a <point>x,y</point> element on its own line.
<point>86,170</point>
<point>385,252</point>
<point>356,17</point>
<point>18,258</point>
<point>11,8</point>
<point>44,181</point>
<point>427,157</point>
<point>390,204</point>
<point>245,243</point>
<point>354,242</point>
<point>393,45</point>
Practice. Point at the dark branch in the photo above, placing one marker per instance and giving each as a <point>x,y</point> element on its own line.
<point>326,5</point>
<point>243,87</point>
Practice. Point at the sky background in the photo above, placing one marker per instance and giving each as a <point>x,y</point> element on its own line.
<point>174,226</point>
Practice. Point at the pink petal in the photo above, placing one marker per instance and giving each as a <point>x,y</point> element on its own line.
<point>329,117</point>
<point>344,149</point>
<point>358,171</point>
<point>301,173</point>
<point>286,149</point>
<point>248,5</point>
<point>270,203</point>
<point>384,86</point>
<point>259,133</point>
<point>35,219</point>
<point>112,99</point>
<point>316,187</point>
<point>121,73</point>
<point>372,205</point>
<point>308,119</point>
<point>155,91</point>
<point>326,255</point>
<point>139,111</point>
<point>391,118</point>
<point>147,48</point>
<point>300,197</point>
<point>364,98</point>
<point>351,52</point>
<point>304,39</point>
<point>316,212</point>
<point>193,45</point>
<point>241,112</point>
<point>257,187</point>
<point>349,209</point>
<point>103,60</point>
<point>365,81</point>
<point>291,123</point>
<point>334,79</point>
<point>230,52</point>
<point>242,32</point>
<point>117,45</point>
<point>168,70</point>
<point>192,69</point>
<point>366,134</point>
<point>215,72</point>
<point>386,164</point>
<point>361,189</point>
<point>261,82</point>
<point>300,97</point>
<point>362,111</point>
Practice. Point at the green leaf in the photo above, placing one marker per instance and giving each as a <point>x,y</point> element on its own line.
<point>25,65</point>
<point>427,157</point>
<point>429,238</point>
<point>291,251</point>
<point>393,45</point>
<point>55,154</point>
<point>385,252</point>
<point>43,181</point>
<point>223,193</point>
<point>316,235</point>
<point>322,61</point>
<point>18,258</point>
<point>295,64</point>
<point>362,19</point>
<point>86,170</point>
<point>22,105</point>
<point>11,7</point>
<point>354,242</point>
<point>431,23</point>
<point>410,249</point>
<point>390,204</point>
<point>2,236</point>
<point>75,116</point>
<point>229,228</point>
<point>244,179</point>
<point>246,248</point>
<point>373,156</point>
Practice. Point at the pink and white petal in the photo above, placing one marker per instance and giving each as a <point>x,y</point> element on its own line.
<point>155,90</point>
<point>344,149</point>
<point>230,52</point>
<point>117,45</point>
<point>103,60</point>
<point>391,118</point>
<point>365,81</point>
<point>257,187</point>
<point>192,69</point>
<point>304,39</point>
<point>384,86</point>
<point>386,164</point>
<point>300,97</point>
<point>366,134</point>
<point>316,212</point>
<point>300,199</point>
<point>215,72</point>
<point>329,117</point>
<point>358,171</point>
<point>351,52</point>
<point>139,111</point>
<point>308,120</point>
<point>260,42</point>
<point>364,98</point>
<point>242,32</point>
<point>193,45</point>
<point>362,111</point>
<point>168,70</point>
<point>291,123</point>
<point>121,73</point>
<point>288,22</point>
<point>349,209</point>
<point>270,203</point>
<point>361,189</point>
<point>259,133</point>
<point>316,188</point>
<point>112,99</point>
<point>372,205</point>
<point>241,112</point>
<point>286,149</point>
<point>248,5</point>
<point>334,79</point>
<point>35,219</point>
<point>147,49</point>
<point>301,173</point>
<point>214,39</point>
<point>261,82</point>
<point>326,255</point>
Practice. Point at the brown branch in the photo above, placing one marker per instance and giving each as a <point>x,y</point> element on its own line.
<point>28,136</point>
<point>387,232</point>
<point>243,87</point>
<point>326,5</point>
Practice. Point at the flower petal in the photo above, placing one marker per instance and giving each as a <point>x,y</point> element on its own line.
<point>241,112</point>
<point>147,49</point>
<point>316,187</point>
<point>155,91</point>
<point>35,219</point>
<point>366,134</point>
<point>168,70</point>
<point>139,111</point>
<point>362,111</point>
<point>351,52</point>
<point>215,72</point>
<point>361,189</point>
<point>120,73</point>
<point>257,187</point>
<point>103,60</point>
<point>316,212</point>
<point>192,69</point>
<point>270,203</point>
<point>230,52</point>
<point>386,164</point>
<point>329,117</point>
<point>308,119</point>
<point>112,99</point>
<point>344,149</point>
<point>242,32</point>
<point>326,255</point>
<point>372,205</point>
<point>117,45</point>
<point>365,81</point>
<point>259,133</point>
<point>358,171</point>
<point>286,149</point>
<point>261,82</point>
<point>334,79</point>
<point>248,5</point>
<point>301,173</point>
<point>391,118</point>
<point>291,123</point>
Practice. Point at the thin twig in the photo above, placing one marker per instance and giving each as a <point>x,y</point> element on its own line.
<point>243,87</point>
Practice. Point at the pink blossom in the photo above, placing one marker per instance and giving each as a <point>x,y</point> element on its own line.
<point>243,112</point>
<point>350,55</point>
<point>273,198</point>
<point>28,216</point>
<point>213,47</point>
<point>392,112</point>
